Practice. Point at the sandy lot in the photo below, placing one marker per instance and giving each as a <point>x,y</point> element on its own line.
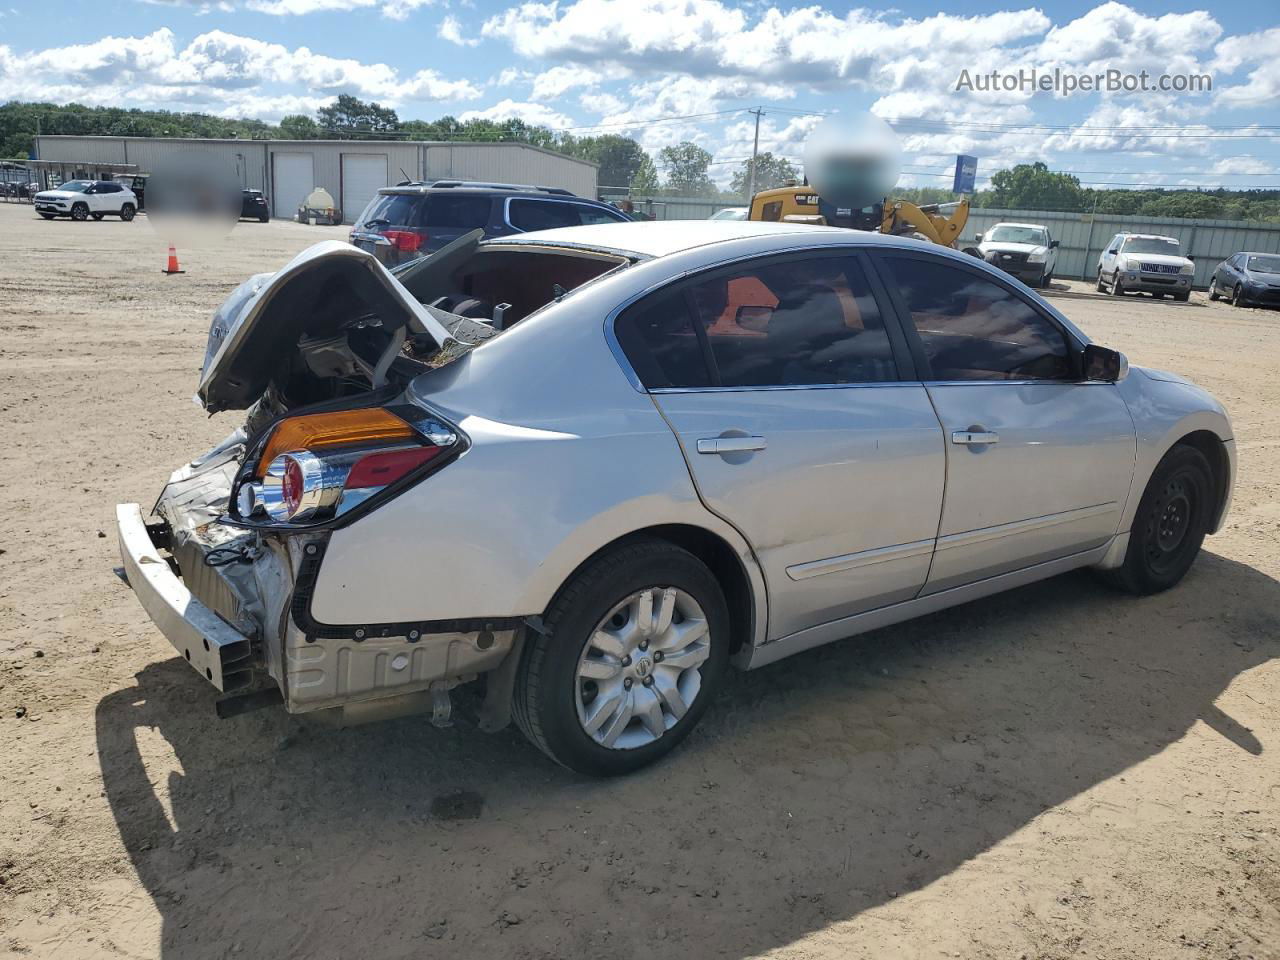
<point>1061,771</point>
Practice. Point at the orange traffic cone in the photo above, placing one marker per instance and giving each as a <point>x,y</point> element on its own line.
<point>172,266</point>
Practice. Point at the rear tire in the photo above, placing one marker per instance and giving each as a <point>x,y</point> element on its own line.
<point>127,212</point>
<point>564,712</point>
<point>1170,525</point>
<point>80,212</point>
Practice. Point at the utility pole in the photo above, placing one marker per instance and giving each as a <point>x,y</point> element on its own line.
<point>755,152</point>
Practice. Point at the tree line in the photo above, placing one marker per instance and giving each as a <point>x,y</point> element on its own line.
<point>680,170</point>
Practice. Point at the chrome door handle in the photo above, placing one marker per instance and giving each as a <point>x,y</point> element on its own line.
<point>974,436</point>
<point>730,444</point>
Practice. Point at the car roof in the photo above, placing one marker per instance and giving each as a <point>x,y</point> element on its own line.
<point>660,238</point>
<point>1010,223</point>
<point>1147,236</point>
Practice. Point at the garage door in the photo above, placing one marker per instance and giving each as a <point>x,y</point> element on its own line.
<point>293,176</point>
<point>363,174</point>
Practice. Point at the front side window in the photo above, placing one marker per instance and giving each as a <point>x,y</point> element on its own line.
<point>588,214</point>
<point>542,214</point>
<point>792,322</point>
<point>972,328</point>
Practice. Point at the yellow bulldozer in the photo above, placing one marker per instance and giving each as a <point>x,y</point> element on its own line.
<point>936,222</point>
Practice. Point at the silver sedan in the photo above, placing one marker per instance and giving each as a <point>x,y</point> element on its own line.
<point>587,470</point>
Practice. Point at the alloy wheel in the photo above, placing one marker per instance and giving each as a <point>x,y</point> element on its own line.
<point>640,671</point>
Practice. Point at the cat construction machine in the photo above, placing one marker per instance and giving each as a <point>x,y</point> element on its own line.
<point>800,203</point>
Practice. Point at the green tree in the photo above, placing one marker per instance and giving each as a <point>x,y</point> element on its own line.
<point>685,166</point>
<point>298,126</point>
<point>644,182</point>
<point>1033,186</point>
<point>771,172</point>
<point>347,114</point>
<point>619,157</point>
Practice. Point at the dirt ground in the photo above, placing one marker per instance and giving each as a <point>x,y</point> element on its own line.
<point>1061,771</point>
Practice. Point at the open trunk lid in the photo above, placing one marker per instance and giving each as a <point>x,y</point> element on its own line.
<point>327,294</point>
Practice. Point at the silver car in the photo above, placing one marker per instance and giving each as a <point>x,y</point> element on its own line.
<point>588,469</point>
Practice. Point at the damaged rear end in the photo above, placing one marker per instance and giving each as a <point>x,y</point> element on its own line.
<point>319,355</point>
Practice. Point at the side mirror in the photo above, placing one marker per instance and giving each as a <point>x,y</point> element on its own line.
<point>1103,363</point>
<point>1191,258</point>
<point>977,238</point>
<point>1053,243</point>
<point>1114,250</point>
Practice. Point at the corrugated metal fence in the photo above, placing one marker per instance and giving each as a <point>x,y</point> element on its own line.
<point>1081,237</point>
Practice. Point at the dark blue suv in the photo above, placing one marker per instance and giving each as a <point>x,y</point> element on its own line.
<point>419,217</point>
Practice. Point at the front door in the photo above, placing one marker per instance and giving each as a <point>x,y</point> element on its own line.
<point>1038,462</point>
<point>781,381</point>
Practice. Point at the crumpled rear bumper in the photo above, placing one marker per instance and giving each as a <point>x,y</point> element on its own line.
<point>216,650</point>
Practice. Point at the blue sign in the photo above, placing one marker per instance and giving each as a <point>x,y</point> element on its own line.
<point>966,174</point>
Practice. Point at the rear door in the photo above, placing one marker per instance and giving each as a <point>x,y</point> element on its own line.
<point>1038,462</point>
<point>801,427</point>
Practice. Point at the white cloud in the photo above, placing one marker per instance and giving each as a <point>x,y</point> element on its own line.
<point>1262,84</point>
<point>218,71</point>
<point>451,30</point>
<point>535,113</point>
<point>558,81</point>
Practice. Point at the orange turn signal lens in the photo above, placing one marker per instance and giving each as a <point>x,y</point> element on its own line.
<point>345,428</point>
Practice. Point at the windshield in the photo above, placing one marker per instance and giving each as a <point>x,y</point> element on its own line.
<point>77,186</point>
<point>1160,245</point>
<point>730,213</point>
<point>1007,234</point>
<point>1264,264</point>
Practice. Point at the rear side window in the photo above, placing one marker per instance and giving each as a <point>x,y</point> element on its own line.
<point>457,211</point>
<point>972,328</point>
<point>660,341</point>
<point>790,322</point>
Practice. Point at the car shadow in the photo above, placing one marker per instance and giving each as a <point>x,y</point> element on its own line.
<point>815,789</point>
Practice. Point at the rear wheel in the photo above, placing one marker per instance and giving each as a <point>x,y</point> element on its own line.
<point>80,212</point>
<point>127,211</point>
<point>635,646</point>
<point>1170,525</point>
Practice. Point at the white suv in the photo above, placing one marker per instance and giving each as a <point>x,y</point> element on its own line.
<point>1142,261</point>
<point>82,199</point>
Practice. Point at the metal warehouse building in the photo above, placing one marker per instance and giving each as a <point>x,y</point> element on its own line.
<point>351,170</point>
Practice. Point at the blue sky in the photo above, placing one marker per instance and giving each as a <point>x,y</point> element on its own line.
<point>668,70</point>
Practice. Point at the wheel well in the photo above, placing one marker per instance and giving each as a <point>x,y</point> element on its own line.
<point>719,557</point>
<point>1210,444</point>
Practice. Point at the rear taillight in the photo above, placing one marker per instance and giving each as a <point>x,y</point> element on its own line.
<point>318,467</point>
<point>406,241</point>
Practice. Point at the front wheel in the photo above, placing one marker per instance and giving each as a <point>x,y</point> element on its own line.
<point>1213,288</point>
<point>1117,289</point>
<point>97,216</point>
<point>1237,297</point>
<point>634,649</point>
<point>1100,287</point>
<point>1170,525</point>
<point>127,211</point>
<point>48,216</point>
<point>80,212</point>
<point>1046,279</point>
